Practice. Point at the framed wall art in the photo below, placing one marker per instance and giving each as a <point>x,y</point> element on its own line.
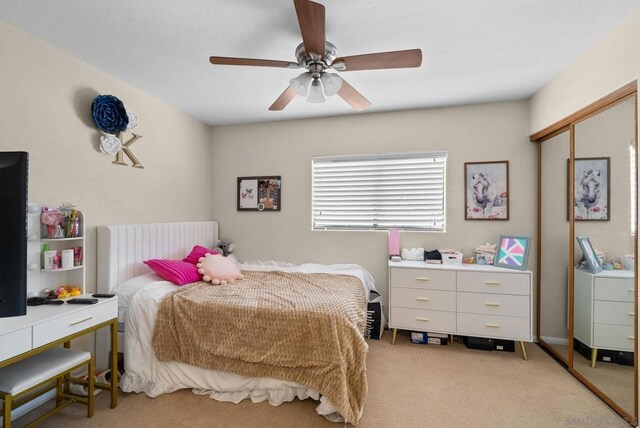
<point>260,193</point>
<point>486,194</point>
<point>589,253</point>
<point>592,190</point>
<point>513,252</point>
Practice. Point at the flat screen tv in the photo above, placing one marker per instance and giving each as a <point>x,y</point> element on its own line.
<point>14,167</point>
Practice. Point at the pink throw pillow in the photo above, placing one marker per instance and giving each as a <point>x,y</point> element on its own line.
<point>176,271</point>
<point>218,269</point>
<point>197,252</point>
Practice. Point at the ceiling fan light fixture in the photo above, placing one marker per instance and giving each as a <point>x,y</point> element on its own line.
<point>331,83</point>
<point>315,92</point>
<point>301,84</point>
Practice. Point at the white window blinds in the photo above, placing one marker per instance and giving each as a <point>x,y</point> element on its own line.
<point>405,191</point>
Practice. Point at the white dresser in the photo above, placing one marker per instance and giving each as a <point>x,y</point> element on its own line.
<point>466,300</point>
<point>604,310</point>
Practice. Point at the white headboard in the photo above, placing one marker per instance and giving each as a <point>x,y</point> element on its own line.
<point>123,248</point>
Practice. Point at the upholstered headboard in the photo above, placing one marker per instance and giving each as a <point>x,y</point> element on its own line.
<point>123,248</point>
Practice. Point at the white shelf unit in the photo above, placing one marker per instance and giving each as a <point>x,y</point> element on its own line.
<point>73,276</point>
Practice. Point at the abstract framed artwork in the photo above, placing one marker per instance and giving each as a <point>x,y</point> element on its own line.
<point>486,195</point>
<point>592,189</point>
<point>513,252</point>
<point>260,193</point>
<point>589,253</point>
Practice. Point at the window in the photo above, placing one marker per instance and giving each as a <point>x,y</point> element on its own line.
<point>404,191</point>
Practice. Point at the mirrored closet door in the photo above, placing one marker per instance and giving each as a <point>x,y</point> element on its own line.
<point>604,210</point>
<point>554,251</point>
<point>587,268</point>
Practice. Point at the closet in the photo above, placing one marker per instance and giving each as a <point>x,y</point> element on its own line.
<point>588,192</point>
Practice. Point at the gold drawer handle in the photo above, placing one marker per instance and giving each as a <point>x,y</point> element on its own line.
<point>492,325</point>
<point>492,304</point>
<point>422,299</point>
<point>631,290</point>
<point>631,314</point>
<point>422,278</point>
<point>81,321</point>
<point>492,282</point>
<point>630,337</point>
<point>422,319</point>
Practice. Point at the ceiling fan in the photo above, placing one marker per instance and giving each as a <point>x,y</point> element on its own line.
<point>317,56</point>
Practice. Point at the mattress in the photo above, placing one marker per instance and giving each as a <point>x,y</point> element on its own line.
<point>139,299</point>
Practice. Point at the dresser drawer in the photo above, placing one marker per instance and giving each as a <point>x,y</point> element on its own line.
<point>69,324</point>
<point>494,282</point>
<point>494,326</point>
<point>616,289</point>
<point>15,343</point>
<point>615,337</point>
<point>418,298</point>
<point>606,312</point>
<point>494,304</point>
<point>423,320</point>
<point>431,279</point>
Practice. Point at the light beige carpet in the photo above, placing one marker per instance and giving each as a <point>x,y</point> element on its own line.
<point>613,379</point>
<point>409,386</point>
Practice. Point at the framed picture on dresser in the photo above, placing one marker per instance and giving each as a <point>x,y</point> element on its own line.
<point>589,254</point>
<point>513,252</point>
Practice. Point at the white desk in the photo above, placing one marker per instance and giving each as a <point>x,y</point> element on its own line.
<point>47,326</point>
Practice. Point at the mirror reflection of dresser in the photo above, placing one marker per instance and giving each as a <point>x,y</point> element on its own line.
<point>588,187</point>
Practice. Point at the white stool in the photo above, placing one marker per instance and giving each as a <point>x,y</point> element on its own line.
<point>25,380</point>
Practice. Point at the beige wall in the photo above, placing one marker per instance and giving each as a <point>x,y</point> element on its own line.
<point>470,133</point>
<point>45,110</point>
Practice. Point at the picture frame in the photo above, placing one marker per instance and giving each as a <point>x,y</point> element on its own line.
<point>592,189</point>
<point>486,192</point>
<point>512,252</point>
<point>261,193</point>
<point>589,254</point>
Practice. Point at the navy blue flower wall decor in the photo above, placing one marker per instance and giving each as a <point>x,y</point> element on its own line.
<point>109,114</point>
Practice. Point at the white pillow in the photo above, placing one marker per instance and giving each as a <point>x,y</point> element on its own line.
<point>126,290</point>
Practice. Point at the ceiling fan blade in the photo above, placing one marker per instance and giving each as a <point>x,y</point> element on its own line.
<point>374,61</point>
<point>312,25</point>
<point>284,99</point>
<point>223,60</point>
<point>354,98</point>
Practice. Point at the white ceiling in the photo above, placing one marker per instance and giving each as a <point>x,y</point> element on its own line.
<point>474,51</point>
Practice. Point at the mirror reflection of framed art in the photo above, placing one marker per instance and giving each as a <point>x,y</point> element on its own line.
<point>589,253</point>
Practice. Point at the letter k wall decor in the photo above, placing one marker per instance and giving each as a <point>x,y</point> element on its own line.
<point>111,117</point>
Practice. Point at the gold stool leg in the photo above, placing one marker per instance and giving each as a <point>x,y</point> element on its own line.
<point>524,351</point>
<point>594,357</point>
<point>393,338</point>
<point>6,414</point>
<point>58,391</point>
<point>91,380</point>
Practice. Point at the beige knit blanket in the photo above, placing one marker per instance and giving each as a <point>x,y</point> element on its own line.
<point>304,328</point>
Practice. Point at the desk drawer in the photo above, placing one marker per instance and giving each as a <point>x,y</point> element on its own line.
<point>424,278</point>
<point>615,289</point>
<point>417,298</point>
<point>69,324</point>
<point>497,327</point>
<point>494,282</point>
<point>494,304</point>
<point>423,320</point>
<point>15,343</point>
<point>615,337</point>
<point>605,312</point>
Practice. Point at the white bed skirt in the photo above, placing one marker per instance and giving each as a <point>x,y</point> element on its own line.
<point>223,386</point>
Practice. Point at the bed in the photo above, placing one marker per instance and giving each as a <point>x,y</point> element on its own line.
<point>121,251</point>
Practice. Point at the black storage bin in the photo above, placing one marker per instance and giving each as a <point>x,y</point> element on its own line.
<point>487,344</point>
